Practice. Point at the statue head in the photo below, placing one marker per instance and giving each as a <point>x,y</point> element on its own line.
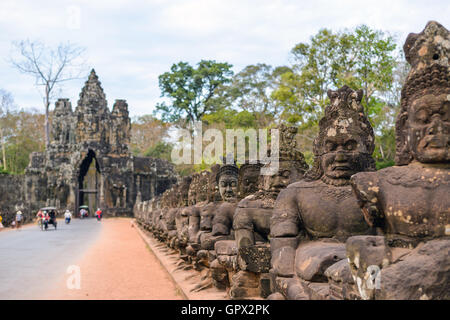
<point>249,175</point>
<point>213,187</point>
<point>423,124</point>
<point>345,142</point>
<point>227,179</point>
<point>291,164</point>
<point>193,189</point>
<point>184,191</point>
<point>203,187</point>
<point>173,196</point>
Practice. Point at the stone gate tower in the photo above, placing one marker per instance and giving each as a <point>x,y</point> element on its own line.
<point>88,161</point>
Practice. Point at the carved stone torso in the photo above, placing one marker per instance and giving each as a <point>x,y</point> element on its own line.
<point>327,211</point>
<point>223,218</point>
<point>413,199</point>
<point>259,209</point>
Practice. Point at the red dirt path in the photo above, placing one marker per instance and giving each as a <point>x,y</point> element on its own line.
<point>119,266</point>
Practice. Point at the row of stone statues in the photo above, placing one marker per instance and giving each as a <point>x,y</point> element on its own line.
<point>340,230</point>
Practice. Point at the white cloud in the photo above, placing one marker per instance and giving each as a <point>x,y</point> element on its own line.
<point>130,43</point>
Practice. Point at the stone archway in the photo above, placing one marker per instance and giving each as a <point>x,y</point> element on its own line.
<point>89,179</point>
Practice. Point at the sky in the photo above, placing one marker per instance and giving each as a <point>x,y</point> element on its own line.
<point>130,43</point>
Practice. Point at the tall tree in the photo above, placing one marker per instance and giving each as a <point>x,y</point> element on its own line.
<point>192,91</point>
<point>369,64</point>
<point>146,133</point>
<point>49,66</point>
<point>302,90</point>
<point>6,105</point>
<point>250,90</point>
<point>360,58</point>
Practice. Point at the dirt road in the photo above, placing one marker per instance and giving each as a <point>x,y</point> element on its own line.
<point>118,265</point>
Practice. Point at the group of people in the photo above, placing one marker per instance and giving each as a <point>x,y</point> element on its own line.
<point>16,223</point>
<point>46,217</point>
<point>84,213</point>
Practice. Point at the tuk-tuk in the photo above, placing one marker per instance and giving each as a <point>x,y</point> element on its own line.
<point>50,218</point>
<point>83,212</point>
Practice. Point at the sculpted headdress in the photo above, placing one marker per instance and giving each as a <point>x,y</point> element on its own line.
<point>428,53</point>
<point>344,115</point>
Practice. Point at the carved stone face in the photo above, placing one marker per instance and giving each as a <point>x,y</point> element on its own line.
<point>429,128</point>
<point>342,156</point>
<point>228,187</point>
<point>286,174</point>
<point>249,180</point>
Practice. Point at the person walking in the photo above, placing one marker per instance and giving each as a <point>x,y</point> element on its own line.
<point>19,218</point>
<point>1,224</point>
<point>98,213</point>
<point>45,219</point>
<point>39,218</point>
<point>68,216</point>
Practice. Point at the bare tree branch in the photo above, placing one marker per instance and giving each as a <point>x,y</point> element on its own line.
<point>48,66</point>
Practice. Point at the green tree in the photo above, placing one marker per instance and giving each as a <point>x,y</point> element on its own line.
<point>370,64</point>
<point>24,135</point>
<point>160,150</point>
<point>362,58</point>
<point>146,132</point>
<point>192,91</point>
<point>250,91</point>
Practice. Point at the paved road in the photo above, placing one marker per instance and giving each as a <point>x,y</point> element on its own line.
<point>32,261</point>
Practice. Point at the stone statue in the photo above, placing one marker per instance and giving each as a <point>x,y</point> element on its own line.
<point>225,265</point>
<point>181,202</point>
<point>251,221</point>
<point>227,180</point>
<point>201,201</point>
<point>408,204</point>
<point>182,217</point>
<point>252,216</point>
<point>313,217</point>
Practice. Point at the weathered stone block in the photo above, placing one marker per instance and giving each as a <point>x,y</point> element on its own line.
<point>255,258</point>
<point>226,247</point>
<point>422,274</point>
<point>313,258</point>
<point>340,272</point>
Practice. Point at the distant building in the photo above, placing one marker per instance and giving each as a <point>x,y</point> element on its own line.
<point>88,161</point>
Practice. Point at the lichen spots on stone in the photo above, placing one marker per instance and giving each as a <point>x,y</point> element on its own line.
<point>423,51</point>
<point>331,132</point>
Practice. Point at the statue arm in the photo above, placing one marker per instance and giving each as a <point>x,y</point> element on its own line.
<point>366,186</point>
<point>243,228</point>
<point>284,228</point>
<point>222,221</point>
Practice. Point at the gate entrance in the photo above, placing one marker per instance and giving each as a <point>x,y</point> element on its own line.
<point>89,184</point>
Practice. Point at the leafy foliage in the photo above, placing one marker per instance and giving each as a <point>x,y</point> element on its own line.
<point>146,132</point>
<point>22,132</point>
<point>192,91</point>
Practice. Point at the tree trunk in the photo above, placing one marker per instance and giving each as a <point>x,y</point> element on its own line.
<point>47,127</point>
<point>3,149</point>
